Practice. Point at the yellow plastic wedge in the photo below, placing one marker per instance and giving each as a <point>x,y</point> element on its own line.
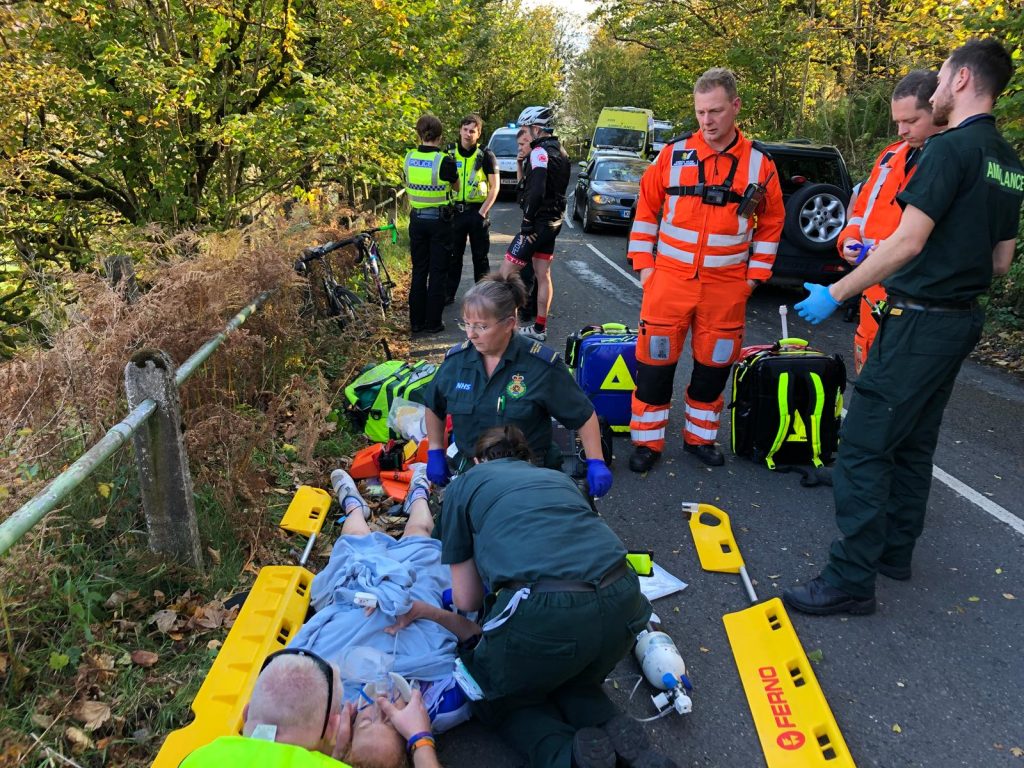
<point>712,535</point>
<point>793,719</point>
<point>307,511</point>
<point>273,611</point>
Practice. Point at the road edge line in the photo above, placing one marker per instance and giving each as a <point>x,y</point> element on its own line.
<point>615,266</point>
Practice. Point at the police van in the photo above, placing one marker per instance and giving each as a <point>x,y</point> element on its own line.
<point>503,145</point>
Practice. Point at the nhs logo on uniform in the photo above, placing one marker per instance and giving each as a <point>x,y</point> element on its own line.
<point>463,386</point>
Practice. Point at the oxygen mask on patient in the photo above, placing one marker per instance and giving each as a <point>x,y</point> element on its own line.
<point>373,671</point>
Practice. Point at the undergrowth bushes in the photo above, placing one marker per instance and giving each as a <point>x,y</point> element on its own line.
<point>102,644</point>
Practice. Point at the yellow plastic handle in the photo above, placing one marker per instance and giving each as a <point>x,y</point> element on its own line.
<point>792,342</point>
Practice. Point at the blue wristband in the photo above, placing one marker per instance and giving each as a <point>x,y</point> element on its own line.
<point>416,737</point>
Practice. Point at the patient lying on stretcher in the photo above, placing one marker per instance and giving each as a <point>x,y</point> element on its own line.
<point>407,580</point>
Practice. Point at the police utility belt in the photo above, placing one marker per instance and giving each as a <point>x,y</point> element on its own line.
<point>722,194</point>
<point>443,212</point>
<point>463,207</point>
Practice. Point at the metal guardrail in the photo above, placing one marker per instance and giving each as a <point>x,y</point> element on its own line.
<point>29,514</point>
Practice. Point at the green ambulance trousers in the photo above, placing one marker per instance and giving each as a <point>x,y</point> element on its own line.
<point>542,670</point>
<point>884,469</point>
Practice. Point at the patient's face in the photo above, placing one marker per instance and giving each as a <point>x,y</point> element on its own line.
<point>374,736</point>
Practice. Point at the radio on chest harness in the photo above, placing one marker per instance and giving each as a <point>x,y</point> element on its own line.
<point>722,194</point>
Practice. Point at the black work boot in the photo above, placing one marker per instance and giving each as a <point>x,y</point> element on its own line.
<point>820,598</point>
<point>709,454</point>
<point>632,746</point>
<point>643,458</point>
<point>591,748</point>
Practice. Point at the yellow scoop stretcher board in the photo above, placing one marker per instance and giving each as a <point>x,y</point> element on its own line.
<point>306,515</point>
<point>794,722</point>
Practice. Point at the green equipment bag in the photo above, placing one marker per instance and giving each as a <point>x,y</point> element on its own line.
<point>371,394</point>
<point>787,403</point>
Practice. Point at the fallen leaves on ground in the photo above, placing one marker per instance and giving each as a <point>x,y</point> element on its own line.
<point>92,714</point>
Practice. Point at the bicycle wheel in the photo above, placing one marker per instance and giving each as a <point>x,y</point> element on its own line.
<point>378,280</point>
<point>346,304</point>
<point>320,297</point>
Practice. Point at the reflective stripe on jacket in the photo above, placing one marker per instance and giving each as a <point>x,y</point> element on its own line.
<point>876,214</point>
<point>694,237</point>
<point>422,179</point>
<point>472,181</point>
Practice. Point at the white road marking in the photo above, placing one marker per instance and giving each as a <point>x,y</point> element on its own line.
<point>615,266</point>
<point>980,500</point>
<point>570,204</point>
<point>998,512</point>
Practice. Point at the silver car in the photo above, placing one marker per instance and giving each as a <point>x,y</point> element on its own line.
<point>607,189</point>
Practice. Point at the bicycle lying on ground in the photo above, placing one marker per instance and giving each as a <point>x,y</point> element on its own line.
<point>331,299</point>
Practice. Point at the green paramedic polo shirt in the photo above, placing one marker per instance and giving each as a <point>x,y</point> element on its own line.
<point>970,182</point>
<point>529,385</point>
<point>523,523</point>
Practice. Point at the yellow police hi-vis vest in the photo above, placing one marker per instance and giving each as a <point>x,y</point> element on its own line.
<point>472,181</point>
<point>240,750</point>
<point>422,179</point>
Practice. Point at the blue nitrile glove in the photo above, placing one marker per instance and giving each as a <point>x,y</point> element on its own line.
<point>437,467</point>
<point>599,477</point>
<point>818,306</point>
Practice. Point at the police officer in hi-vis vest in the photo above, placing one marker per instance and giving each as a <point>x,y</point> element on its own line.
<point>431,178</point>
<point>478,189</point>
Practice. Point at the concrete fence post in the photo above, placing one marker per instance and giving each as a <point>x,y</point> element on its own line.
<point>164,477</point>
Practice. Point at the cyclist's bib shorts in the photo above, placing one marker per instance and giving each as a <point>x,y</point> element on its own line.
<point>521,251</point>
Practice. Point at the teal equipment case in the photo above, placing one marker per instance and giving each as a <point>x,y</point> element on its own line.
<point>603,360</point>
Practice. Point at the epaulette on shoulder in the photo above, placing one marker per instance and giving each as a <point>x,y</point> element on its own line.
<point>457,348</point>
<point>545,353</point>
<point>762,149</point>
<point>681,137</point>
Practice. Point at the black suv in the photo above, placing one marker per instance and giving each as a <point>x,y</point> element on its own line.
<point>816,188</point>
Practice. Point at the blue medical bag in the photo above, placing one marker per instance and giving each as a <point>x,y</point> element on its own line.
<point>603,360</point>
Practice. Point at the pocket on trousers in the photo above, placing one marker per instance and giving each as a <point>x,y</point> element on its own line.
<point>537,647</point>
<point>868,423</point>
<point>658,343</point>
<point>943,335</point>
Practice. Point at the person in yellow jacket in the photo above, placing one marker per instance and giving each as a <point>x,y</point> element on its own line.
<point>295,719</point>
<point>478,189</point>
<point>431,178</point>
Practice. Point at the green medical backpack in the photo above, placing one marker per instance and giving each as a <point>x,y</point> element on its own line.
<point>371,394</point>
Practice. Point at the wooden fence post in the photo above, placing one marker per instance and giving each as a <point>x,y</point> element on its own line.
<point>164,477</point>
<point>120,272</point>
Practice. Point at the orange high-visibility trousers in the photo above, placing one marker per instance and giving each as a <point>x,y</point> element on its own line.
<point>672,305</point>
<point>867,327</point>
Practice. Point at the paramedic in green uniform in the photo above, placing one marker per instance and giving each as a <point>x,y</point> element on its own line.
<point>960,220</point>
<point>498,376</point>
<point>564,606</point>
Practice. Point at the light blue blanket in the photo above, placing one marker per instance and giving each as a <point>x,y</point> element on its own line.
<point>397,572</point>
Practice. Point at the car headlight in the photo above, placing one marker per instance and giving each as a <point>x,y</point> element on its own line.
<point>603,199</point>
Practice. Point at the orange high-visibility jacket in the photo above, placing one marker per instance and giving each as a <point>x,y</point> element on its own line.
<point>693,237</point>
<point>876,214</point>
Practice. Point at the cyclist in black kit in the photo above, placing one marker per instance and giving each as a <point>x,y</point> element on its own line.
<point>546,175</point>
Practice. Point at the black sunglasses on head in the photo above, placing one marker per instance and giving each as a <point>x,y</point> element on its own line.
<point>324,667</point>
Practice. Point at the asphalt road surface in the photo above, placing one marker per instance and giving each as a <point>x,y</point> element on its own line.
<point>934,678</point>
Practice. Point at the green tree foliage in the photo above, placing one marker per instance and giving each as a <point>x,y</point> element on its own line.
<point>189,113</point>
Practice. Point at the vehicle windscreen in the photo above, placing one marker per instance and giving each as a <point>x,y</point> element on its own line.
<point>661,135</point>
<point>504,145</point>
<point>619,137</point>
<point>619,170</point>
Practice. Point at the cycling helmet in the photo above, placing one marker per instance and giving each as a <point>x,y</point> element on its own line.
<point>542,117</point>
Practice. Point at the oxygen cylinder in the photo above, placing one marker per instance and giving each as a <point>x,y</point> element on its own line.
<point>662,665</point>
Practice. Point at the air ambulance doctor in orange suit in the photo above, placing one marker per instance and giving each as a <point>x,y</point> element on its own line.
<point>708,222</point>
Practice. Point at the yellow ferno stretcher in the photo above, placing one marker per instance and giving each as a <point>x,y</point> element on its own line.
<point>273,611</point>
<point>794,722</point>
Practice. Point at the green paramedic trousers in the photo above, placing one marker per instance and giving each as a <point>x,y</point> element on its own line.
<point>883,472</point>
<point>542,670</point>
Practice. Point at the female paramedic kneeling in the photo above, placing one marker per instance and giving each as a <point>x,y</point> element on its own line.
<point>497,377</point>
<point>563,610</point>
